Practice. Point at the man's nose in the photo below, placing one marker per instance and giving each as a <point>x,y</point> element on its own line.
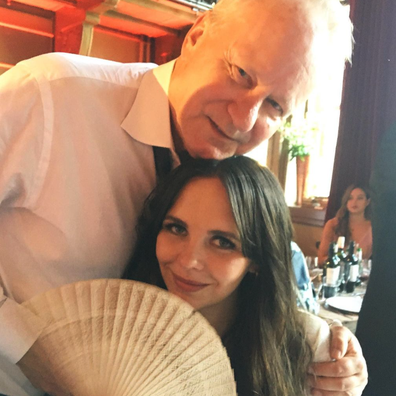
<point>244,112</point>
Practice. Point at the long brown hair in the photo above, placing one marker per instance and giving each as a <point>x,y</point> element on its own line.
<point>267,343</point>
<point>342,228</point>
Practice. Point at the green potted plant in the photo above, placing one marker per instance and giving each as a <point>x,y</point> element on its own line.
<point>298,139</point>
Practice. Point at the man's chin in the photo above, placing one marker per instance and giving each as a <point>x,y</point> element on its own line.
<point>213,152</point>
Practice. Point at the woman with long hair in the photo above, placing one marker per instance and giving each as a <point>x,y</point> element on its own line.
<point>352,221</point>
<point>217,234</point>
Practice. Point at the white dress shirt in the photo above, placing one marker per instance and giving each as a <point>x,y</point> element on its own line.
<point>76,164</point>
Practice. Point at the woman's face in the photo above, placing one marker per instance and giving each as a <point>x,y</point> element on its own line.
<point>357,201</point>
<point>199,248</point>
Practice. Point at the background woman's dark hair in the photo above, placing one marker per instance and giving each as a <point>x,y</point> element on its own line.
<point>266,344</point>
<point>342,227</point>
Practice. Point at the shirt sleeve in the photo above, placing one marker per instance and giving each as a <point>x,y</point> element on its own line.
<point>318,334</point>
<point>22,138</point>
<point>19,329</point>
<point>22,131</point>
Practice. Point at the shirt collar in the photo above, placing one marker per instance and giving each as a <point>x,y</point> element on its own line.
<point>148,121</point>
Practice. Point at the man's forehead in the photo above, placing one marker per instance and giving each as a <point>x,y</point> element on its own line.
<point>282,59</point>
<point>231,11</point>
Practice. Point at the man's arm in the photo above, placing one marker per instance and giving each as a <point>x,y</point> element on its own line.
<point>39,370</point>
<point>19,329</point>
<point>347,374</point>
<point>21,117</point>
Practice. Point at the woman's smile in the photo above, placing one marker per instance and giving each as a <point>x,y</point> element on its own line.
<point>187,285</point>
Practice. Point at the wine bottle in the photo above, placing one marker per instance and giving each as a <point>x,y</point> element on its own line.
<point>344,273</point>
<point>359,255</point>
<point>353,263</point>
<point>331,272</point>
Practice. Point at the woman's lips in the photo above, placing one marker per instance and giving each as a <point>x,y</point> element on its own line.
<point>187,285</point>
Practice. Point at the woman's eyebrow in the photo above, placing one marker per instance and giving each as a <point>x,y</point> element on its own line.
<point>226,234</point>
<point>175,219</point>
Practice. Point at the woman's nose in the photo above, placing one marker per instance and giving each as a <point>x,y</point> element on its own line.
<point>191,257</point>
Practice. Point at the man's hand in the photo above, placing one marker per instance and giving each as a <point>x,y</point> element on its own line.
<point>39,371</point>
<point>347,374</point>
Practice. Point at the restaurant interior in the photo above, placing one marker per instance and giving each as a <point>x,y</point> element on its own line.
<point>344,119</point>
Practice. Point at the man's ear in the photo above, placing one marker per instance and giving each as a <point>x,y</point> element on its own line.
<point>195,33</point>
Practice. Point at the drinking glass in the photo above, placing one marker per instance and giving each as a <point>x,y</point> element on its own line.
<point>312,262</point>
<point>313,269</point>
<point>366,270</point>
<point>317,284</point>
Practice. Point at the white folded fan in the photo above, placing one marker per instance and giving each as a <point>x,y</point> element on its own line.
<point>111,337</point>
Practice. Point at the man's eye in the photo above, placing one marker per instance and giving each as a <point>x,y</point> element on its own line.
<point>242,72</point>
<point>275,105</point>
<point>240,75</point>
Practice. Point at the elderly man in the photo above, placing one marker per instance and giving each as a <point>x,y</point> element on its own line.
<point>77,159</point>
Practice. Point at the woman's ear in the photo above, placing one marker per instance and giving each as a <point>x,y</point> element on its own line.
<point>195,33</point>
<point>368,202</point>
<point>253,268</point>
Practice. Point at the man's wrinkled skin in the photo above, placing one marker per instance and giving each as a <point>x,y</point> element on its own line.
<point>347,374</point>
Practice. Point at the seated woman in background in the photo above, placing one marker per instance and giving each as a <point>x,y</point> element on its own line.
<point>352,221</point>
<point>217,234</point>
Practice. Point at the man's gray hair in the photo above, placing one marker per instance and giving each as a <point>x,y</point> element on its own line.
<point>329,20</point>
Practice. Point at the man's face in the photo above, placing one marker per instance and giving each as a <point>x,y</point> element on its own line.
<point>232,87</point>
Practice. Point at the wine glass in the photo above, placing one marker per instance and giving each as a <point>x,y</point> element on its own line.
<point>365,272</point>
<point>312,262</point>
<point>317,284</point>
<point>314,270</point>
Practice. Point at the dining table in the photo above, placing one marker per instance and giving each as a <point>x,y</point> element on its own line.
<point>343,307</point>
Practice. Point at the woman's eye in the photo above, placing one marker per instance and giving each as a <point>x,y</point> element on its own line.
<point>174,228</point>
<point>224,243</point>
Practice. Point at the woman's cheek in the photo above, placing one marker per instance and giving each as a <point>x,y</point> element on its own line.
<point>162,247</point>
